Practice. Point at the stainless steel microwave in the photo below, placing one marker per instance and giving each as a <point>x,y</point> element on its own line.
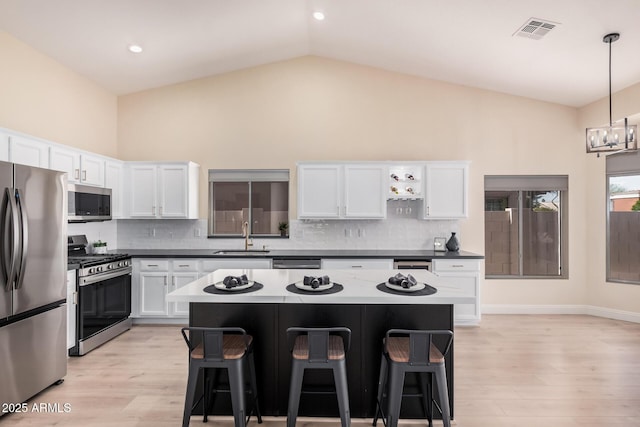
<point>89,203</point>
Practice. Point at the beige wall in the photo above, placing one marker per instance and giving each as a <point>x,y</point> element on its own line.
<point>318,109</point>
<point>42,98</point>
<point>617,296</point>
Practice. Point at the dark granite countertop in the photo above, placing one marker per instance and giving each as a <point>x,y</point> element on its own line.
<point>401,254</point>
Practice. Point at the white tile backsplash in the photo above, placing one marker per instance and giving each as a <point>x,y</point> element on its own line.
<point>107,231</point>
<point>401,230</point>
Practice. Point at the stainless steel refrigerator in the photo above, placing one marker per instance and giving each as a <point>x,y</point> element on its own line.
<point>33,264</point>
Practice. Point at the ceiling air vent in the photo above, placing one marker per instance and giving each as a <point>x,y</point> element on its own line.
<point>535,28</point>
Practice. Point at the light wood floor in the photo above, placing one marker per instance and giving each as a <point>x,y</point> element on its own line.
<point>515,371</point>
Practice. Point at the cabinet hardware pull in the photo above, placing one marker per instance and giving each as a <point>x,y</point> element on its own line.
<point>77,173</point>
<point>174,280</point>
<point>84,175</point>
<point>153,210</point>
<point>356,266</point>
<point>183,265</point>
<point>152,265</point>
<point>338,208</point>
<point>457,265</point>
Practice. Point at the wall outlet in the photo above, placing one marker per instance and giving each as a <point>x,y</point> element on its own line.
<point>196,232</point>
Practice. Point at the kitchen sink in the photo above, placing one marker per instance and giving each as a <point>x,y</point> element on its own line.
<point>241,252</point>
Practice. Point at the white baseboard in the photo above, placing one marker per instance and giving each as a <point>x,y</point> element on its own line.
<point>609,313</point>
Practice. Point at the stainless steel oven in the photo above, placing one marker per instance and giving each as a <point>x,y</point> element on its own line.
<point>104,299</point>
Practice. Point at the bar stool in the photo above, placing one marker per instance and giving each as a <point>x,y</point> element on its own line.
<point>413,351</point>
<point>227,348</point>
<point>319,348</point>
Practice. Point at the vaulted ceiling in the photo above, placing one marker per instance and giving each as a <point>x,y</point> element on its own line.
<point>469,42</point>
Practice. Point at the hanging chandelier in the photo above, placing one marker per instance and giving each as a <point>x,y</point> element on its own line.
<point>619,136</point>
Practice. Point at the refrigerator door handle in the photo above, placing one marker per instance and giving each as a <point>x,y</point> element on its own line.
<point>24,240</point>
<point>10,246</point>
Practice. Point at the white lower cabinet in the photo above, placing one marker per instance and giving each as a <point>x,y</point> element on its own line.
<point>356,264</point>
<point>465,276</point>
<point>153,279</point>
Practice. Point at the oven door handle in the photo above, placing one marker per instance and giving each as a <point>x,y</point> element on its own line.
<point>90,280</point>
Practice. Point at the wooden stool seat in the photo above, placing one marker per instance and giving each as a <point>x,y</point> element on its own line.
<point>234,347</point>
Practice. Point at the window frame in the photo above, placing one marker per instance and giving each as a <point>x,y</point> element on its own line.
<point>617,164</point>
<point>522,184</point>
<point>248,176</point>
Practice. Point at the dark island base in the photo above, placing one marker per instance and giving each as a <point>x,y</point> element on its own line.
<point>268,324</point>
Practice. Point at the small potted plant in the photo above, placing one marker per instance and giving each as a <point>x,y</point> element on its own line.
<point>283,227</point>
<point>99,247</point>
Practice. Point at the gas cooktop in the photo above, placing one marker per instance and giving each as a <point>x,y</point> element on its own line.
<point>87,260</point>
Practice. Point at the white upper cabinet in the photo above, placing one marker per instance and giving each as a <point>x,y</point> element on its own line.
<point>446,187</point>
<point>27,151</point>
<point>113,174</point>
<point>81,168</point>
<point>364,191</point>
<point>4,146</point>
<point>163,190</point>
<point>142,190</point>
<point>319,191</point>
<point>347,191</point>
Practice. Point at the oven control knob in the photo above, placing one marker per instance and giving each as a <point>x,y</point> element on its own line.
<point>92,270</point>
<point>109,266</point>
<point>98,269</point>
<point>121,264</point>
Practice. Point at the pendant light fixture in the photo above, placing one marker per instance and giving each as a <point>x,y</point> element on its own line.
<point>618,136</point>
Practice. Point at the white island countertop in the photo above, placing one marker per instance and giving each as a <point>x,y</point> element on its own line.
<point>359,288</point>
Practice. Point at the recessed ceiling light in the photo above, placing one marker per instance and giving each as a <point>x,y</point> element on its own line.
<point>135,48</point>
<point>319,16</point>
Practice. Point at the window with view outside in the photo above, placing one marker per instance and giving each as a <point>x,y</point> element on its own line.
<point>258,197</point>
<point>523,227</point>
<point>624,228</point>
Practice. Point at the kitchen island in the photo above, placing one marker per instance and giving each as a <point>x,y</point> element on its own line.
<point>360,305</point>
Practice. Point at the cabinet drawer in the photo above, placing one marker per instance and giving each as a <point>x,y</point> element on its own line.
<point>440,265</point>
<point>235,263</point>
<point>184,265</point>
<point>466,285</point>
<point>154,265</point>
<point>359,264</point>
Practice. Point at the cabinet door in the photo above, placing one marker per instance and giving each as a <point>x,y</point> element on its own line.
<point>143,189</point>
<point>92,171</point>
<point>64,160</point>
<point>153,291</point>
<point>113,180</point>
<point>173,185</point>
<point>319,192</point>
<point>4,146</point>
<point>365,191</point>
<point>446,190</point>
<point>28,152</point>
<point>179,280</point>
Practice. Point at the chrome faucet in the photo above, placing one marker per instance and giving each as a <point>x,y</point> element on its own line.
<point>245,233</point>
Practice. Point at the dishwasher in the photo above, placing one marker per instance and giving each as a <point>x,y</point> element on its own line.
<point>405,264</point>
<point>296,264</point>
